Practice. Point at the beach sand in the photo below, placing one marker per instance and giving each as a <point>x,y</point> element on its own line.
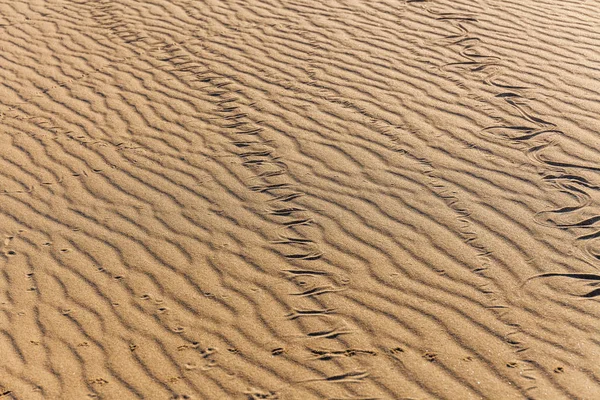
<point>299,199</point>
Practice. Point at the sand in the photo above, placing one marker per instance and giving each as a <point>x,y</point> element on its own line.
<point>299,199</point>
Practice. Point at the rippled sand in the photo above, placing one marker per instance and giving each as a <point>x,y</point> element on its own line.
<point>299,199</point>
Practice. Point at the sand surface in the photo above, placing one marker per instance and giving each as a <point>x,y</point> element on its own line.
<point>300,199</point>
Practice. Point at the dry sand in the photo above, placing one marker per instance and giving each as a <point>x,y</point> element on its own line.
<point>300,199</point>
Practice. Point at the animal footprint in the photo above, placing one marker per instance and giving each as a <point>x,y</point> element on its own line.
<point>430,356</point>
<point>98,381</point>
<point>257,394</point>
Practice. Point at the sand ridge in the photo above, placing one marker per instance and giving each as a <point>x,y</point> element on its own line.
<point>290,199</point>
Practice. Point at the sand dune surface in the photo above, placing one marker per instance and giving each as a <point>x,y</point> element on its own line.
<point>299,199</point>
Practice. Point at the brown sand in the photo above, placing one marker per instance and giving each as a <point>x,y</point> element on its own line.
<point>300,199</point>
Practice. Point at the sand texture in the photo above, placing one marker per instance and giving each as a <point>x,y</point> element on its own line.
<point>300,199</point>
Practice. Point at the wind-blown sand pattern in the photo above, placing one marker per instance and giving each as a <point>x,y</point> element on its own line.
<point>297,199</point>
